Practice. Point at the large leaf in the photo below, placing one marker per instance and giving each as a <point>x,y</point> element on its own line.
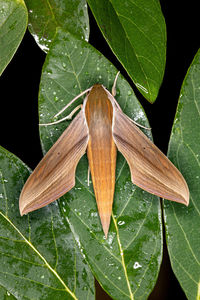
<point>183,223</point>
<point>45,16</point>
<point>13,22</point>
<point>127,263</point>
<point>135,31</point>
<point>38,256</point>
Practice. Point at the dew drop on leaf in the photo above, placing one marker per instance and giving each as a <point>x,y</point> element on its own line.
<point>136,265</point>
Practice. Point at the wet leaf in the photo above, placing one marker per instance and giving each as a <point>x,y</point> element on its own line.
<point>136,33</point>
<point>46,16</point>
<point>5,295</point>
<point>127,263</point>
<point>13,22</point>
<point>39,259</point>
<point>183,223</point>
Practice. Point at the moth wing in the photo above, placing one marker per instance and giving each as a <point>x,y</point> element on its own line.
<point>150,168</point>
<point>55,174</point>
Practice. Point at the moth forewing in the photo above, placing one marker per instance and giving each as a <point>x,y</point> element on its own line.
<point>55,174</point>
<point>150,168</point>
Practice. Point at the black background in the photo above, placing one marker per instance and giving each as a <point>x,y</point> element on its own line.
<point>19,85</point>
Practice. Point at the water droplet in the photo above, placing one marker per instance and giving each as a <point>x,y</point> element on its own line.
<point>110,239</point>
<point>51,133</point>
<point>119,278</point>
<point>94,214</point>
<point>136,265</point>
<point>120,223</point>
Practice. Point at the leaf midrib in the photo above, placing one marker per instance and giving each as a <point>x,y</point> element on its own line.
<point>41,257</point>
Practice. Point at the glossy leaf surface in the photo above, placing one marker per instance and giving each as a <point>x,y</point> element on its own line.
<point>13,22</point>
<point>135,31</point>
<point>39,259</point>
<point>127,263</point>
<point>45,16</point>
<point>183,223</point>
<point>5,295</point>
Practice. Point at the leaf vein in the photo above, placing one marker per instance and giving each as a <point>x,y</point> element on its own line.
<point>140,227</point>
<point>122,259</point>
<point>40,256</point>
<point>186,239</point>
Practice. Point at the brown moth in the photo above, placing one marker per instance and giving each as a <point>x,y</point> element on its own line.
<point>101,128</point>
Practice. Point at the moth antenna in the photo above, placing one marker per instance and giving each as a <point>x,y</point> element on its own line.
<point>72,101</point>
<point>112,98</point>
<point>114,85</point>
<point>68,117</point>
<point>114,93</point>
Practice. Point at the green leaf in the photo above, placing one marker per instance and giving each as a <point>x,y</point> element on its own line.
<point>127,263</point>
<point>136,33</point>
<point>5,295</point>
<point>13,22</point>
<point>183,223</point>
<point>39,259</point>
<point>45,16</point>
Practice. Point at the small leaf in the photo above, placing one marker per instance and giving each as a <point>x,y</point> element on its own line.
<point>46,16</point>
<point>39,259</point>
<point>13,23</point>
<point>127,263</point>
<point>135,31</point>
<point>183,223</point>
